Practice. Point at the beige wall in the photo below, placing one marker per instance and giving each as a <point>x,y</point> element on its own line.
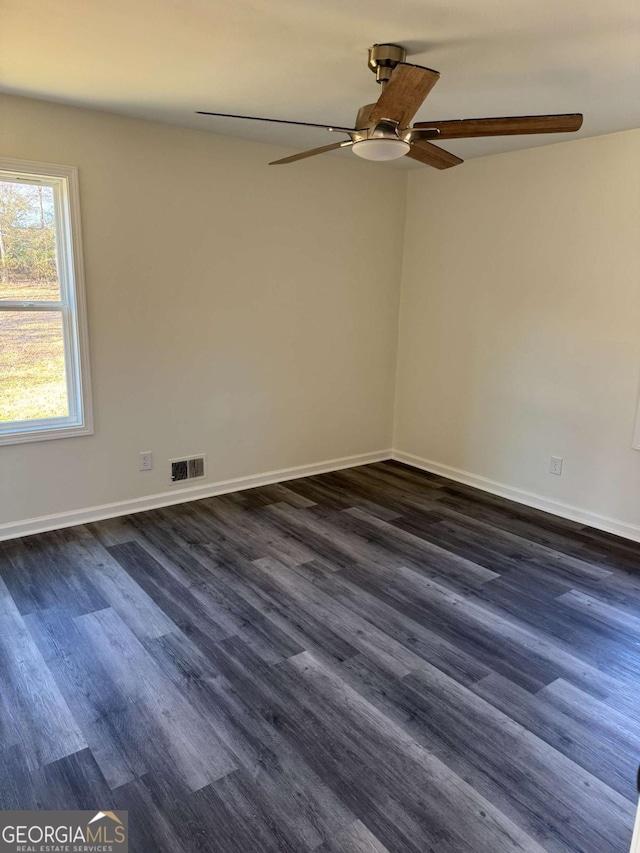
<point>244,311</point>
<point>520,321</point>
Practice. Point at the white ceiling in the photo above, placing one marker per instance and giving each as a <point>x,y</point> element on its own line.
<point>306,60</point>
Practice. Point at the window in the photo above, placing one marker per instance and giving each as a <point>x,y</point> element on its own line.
<point>44,368</point>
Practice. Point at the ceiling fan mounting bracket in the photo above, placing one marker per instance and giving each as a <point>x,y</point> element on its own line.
<point>383,58</point>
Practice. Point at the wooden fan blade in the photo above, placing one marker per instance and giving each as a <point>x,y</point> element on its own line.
<point>432,155</point>
<point>404,94</point>
<point>508,126</point>
<point>333,127</point>
<point>311,153</point>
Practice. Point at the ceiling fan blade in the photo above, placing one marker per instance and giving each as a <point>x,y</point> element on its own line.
<point>508,126</point>
<point>332,127</point>
<point>311,153</point>
<point>432,155</point>
<point>404,94</point>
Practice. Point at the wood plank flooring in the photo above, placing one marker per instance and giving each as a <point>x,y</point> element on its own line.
<point>365,661</point>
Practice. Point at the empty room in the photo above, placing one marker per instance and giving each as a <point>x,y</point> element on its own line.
<point>319,426</point>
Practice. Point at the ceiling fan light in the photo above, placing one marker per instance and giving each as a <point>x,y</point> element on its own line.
<point>380,149</point>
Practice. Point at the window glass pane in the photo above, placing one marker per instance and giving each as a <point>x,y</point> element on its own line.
<point>28,269</point>
<point>32,366</point>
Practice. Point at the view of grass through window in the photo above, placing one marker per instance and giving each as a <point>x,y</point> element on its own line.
<point>32,360</point>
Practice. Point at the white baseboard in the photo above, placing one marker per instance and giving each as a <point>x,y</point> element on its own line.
<point>635,841</point>
<point>15,529</point>
<point>564,510</point>
<point>176,496</point>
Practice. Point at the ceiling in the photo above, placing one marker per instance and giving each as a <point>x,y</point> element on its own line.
<point>306,60</point>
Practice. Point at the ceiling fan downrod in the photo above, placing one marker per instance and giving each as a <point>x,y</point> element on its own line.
<point>383,58</point>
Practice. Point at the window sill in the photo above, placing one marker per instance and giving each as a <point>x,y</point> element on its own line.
<point>45,434</point>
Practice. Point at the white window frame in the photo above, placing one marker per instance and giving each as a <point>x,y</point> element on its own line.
<point>72,305</point>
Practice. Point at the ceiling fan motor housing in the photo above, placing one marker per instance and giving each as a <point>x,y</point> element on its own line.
<point>383,58</point>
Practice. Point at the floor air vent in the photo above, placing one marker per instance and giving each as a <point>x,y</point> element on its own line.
<point>191,468</point>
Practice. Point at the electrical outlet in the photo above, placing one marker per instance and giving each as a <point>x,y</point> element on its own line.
<point>556,465</point>
<point>146,460</point>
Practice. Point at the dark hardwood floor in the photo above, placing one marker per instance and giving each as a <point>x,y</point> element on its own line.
<point>371,660</point>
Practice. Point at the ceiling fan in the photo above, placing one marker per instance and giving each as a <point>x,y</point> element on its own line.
<point>383,130</point>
